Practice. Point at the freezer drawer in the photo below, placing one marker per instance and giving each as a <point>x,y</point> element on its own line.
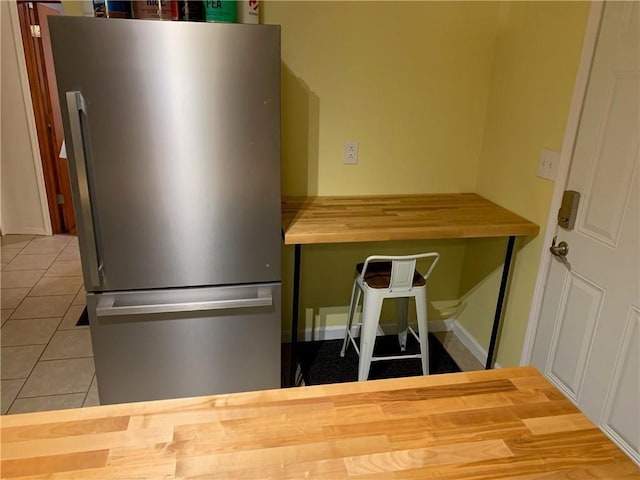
<point>158,344</point>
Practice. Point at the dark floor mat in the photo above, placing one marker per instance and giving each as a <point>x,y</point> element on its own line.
<point>84,318</point>
<point>321,362</point>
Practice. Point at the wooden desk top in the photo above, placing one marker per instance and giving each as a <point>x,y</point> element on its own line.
<point>505,423</point>
<point>397,217</point>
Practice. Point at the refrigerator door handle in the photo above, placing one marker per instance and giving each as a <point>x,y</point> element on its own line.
<point>76,106</point>
<point>106,306</point>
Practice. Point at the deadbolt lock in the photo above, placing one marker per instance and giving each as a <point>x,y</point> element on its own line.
<point>569,209</point>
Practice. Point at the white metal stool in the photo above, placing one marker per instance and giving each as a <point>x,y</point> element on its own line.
<point>381,277</point>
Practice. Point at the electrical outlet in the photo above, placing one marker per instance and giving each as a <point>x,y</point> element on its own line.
<point>350,153</point>
<point>548,164</point>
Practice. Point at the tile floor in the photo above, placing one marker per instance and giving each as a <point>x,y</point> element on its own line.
<point>46,361</point>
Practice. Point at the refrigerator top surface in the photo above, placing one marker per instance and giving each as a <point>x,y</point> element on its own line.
<point>175,153</point>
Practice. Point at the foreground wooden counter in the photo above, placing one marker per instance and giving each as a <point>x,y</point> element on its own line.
<point>508,423</point>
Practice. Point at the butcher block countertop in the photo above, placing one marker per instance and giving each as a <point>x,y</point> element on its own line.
<point>397,217</point>
<point>505,423</point>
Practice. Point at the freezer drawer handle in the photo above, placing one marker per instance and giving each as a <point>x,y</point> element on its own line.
<point>76,106</point>
<point>105,307</point>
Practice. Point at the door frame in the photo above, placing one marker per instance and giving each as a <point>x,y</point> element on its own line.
<point>570,135</point>
<point>14,21</point>
<point>42,98</point>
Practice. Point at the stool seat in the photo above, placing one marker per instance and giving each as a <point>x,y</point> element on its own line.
<point>378,275</point>
<point>381,277</point>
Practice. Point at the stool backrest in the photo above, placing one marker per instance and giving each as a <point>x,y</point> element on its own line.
<point>403,268</point>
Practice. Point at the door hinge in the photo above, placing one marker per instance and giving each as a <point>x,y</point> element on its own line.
<point>60,199</point>
<point>35,31</point>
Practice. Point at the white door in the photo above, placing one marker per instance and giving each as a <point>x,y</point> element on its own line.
<point>588,337</point>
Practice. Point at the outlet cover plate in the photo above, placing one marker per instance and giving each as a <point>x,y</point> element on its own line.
<point>350,156</point>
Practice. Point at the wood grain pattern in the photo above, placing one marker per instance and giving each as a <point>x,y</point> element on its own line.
<point>397,217</point>
<point>505,423</point>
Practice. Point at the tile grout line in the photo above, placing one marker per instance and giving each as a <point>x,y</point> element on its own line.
<point>53,395</point>
<point>21,249</point>
<point>14,310</point>
<point>56,329</point>
<point>86,395</point>
<point>39,360</point>
<point>36,282</point>
<point>39,278</point>
<point>65,358</point>
<point>6,264</point>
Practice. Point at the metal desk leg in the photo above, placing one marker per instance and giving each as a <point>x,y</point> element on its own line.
<point>501,293</point>
<point>294,315</point>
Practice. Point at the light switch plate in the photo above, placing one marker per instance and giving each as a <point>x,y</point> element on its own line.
<point>548,164</point>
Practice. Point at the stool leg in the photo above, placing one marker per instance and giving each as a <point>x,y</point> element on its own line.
<point>423,333</point>
<point>353,305</point>
<point>370,318</point>
<point>402,308</point>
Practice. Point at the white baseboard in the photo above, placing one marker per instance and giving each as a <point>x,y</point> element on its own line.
<point>11,230</point>
<point>441,325</point>
<point>335,332</point>
<point>472,345</point>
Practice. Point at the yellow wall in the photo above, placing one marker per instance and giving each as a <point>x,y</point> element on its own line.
<point>536,62</point>
<point>409,81</point>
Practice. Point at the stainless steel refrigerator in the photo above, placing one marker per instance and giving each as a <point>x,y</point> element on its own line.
<point>172,132</point>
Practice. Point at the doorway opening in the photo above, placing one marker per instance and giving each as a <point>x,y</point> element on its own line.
<point>46,108</point>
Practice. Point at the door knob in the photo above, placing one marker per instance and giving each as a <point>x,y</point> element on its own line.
<point>559,250</point>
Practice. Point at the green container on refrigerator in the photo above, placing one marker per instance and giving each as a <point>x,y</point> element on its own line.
<point>221,11</point>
